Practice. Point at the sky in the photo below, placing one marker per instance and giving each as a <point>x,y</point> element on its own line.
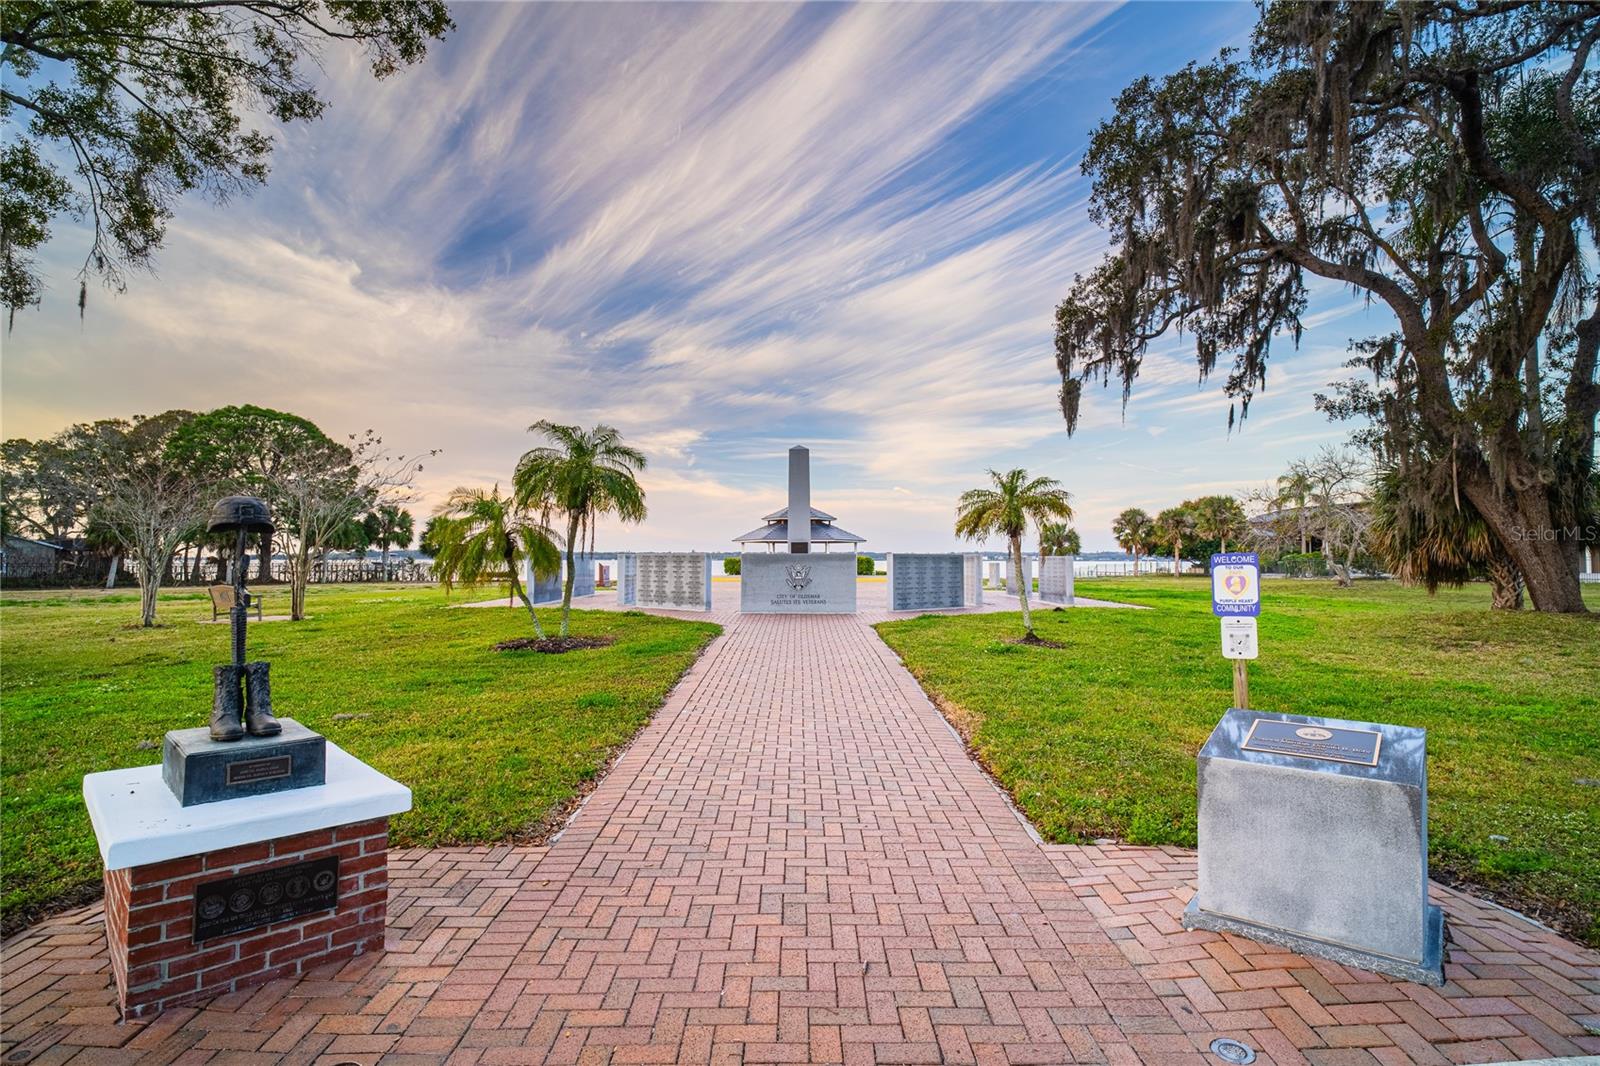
<point>722,229</point>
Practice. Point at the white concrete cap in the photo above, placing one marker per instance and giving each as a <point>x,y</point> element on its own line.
<point>138,821</point>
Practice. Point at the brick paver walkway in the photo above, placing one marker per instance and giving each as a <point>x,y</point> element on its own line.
<point>796,861</point>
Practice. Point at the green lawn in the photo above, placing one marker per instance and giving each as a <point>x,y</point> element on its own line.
<point>1099,738</point>
<point>492,744</point>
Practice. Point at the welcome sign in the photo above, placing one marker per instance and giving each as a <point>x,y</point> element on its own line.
<point>1235,584</point>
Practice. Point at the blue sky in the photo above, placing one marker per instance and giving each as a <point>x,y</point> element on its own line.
<point>725,230</point>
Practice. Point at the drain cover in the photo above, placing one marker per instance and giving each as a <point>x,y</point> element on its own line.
<point>1229,1050</point>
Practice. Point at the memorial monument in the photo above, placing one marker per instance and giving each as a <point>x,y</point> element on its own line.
<point>673,581</point>
<point>255,851</point>
<point>778,583</point>
<point>1314,836</point>
<point>547,587</point>
<point>798,537</point>
<point>1056,580</point>
<point>242,698</point>
<point>933,581</point>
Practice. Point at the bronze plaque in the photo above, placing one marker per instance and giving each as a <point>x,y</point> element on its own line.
<point>251,900</point>
<point>268,769</point>
<point>1306,741</point>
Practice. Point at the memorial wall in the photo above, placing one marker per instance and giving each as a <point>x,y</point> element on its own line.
<point>781,583</point>
<point>542,588</point>
<point>673,581</point>
<point>1055,580</point>
<point>972,579</point>
<point>546,588</point>
<point>932,581</point>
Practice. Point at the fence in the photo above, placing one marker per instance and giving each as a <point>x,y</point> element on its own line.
<point>1100,568</point>
<point>356,571</point>
<point>325,572</point>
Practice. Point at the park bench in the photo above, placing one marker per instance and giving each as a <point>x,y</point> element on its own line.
<point>222,601</point>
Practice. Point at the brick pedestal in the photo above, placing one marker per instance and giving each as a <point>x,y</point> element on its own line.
<point>150,919</point>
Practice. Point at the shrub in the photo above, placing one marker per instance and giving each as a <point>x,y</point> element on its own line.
<point>866,564</point>
<point>1303,564</point>
<point>731,564</point>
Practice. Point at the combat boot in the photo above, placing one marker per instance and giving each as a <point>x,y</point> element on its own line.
<point>227,704</point>
<point>258,701</point>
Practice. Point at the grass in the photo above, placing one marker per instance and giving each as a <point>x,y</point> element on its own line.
<point>1099,739</point>
<point>494,745</point>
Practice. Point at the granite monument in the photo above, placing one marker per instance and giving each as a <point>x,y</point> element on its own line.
<point>1314,837</point>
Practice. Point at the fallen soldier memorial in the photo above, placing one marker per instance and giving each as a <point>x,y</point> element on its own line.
<point>255,851</point>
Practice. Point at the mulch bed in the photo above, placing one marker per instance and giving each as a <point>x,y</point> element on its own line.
<point>554,645</point>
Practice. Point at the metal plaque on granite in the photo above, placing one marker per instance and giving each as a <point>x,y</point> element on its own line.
<point>1314,836</point>
<point>249,901</point>
<point>1329,743</point>
<point>199,769</point>
<point>269,769</point>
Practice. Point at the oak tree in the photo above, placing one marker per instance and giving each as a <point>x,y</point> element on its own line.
<point>115,108</point>
<point>1442,159</point>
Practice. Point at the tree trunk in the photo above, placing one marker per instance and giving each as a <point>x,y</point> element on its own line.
<point>111,573</point>
<point>264,564</point>
<point>149,586</point>
<point>1506,584</point>
<point>566,585</point>
<point>518,591</point>
<point>151,570</point>
<point>1341,574</point>
<point>1546,558</point>
<point>299,576</point>
<point>1023,579</point>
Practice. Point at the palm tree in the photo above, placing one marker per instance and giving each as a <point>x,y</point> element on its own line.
<point>1430,540</point>
<point>582,474</point>
<point>480,532</point>
<point>1005,510</point>
<point>1173,526</point>
<point>1218,518</point>
<point>1295,487</point>
<point>389,526</point>
<point>1058,538</point>
<point>428,542</point>
<point>1134,532</point>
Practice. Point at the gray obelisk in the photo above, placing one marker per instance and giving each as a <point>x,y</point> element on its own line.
<point>799,499</point>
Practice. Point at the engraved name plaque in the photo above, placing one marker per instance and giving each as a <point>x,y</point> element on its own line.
<point>243,773</point>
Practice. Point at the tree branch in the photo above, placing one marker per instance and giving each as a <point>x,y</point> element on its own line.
<point>1580,61</point>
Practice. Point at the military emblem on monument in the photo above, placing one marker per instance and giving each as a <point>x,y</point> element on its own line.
<point>799,576</point>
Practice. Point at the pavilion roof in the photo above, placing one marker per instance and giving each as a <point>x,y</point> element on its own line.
<point>782,515</point>
<point>778,533</point>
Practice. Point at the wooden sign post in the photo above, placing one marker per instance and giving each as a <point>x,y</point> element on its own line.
<point>1236,601</point>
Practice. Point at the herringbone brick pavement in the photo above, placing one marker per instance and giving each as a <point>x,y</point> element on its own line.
<point>796,861</point>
